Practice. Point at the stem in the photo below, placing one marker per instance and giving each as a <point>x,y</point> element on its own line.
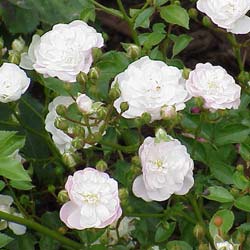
<point>199,217</point>
<point>107,10</point>
<point>41,229</point>
<point>129,21</point>
<point>236,49</point>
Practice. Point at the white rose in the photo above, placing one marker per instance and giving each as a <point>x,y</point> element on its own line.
<point>224,246</point>
<point>84,103</point>
<point>148,85</point>
<point>13,82</point>
<point>215,86</point>
<point>228,14</point>
<point>63,52</point>
<point>166,169</point>
<point>61,140</point>
<point>5,206</point>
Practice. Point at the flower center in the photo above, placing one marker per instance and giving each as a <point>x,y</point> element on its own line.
<point>90,198</point>
<point>212,85</point>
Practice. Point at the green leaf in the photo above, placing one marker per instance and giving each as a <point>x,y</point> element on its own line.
<point>234,133</point>
<point>243,203</point>
<point>219,194</point>
<point>142,20</point>
<point>245,150</point>
<point>13,170</point>
<point>2,185</point>
<point>10,142</point>
<point>240,181</point>
<point>221,171</point>
<point>160,2</point>
<point>175,14</point>
<point>163,232</point>
<point>245,227</point>
<point>88,12</point>
<point>227,222</point>
<point>177,244</point>
<point>21,185</point>
<point>180,43</point>
<point>5,240</point>
<point>19,20</point>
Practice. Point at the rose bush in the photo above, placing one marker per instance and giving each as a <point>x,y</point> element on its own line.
<point>124,125</point>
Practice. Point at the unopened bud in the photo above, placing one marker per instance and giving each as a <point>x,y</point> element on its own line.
<point>114,92</point>
<point>14,57</point>
<point>203,246</point>
<point>63,196</point>
<point>146,118</point>
<point>61,123</point>
<point>195,110</point>
<point>62,230</point>
<point>69,159</point>
<point>61,110</point>
<point>243,77</point>
<point>123,195</point>
<point>68,86</point>
<point>206,21</point>
<point>168,112</point>
<point>124,107</point>
<point>161,135</point>
<point>199,232</point>
<point>96,54</point>
<point>84,104</point>
<point>94,73</point>
<point>133,51</point>
<point>51,188</point>
<point>185,73</point>
<point>78,143</point>
<point>240,237</point>
<point>18,44</point>
<point>199,102</point>
<point>82,78</point>
<point>1,43</point>
<point>136,161</point>
<point>218,221</point>
<point>101,165</point>
<point>78,131</point>
<point>193,13</point>
<point>101,112</point>
<point>240,168</point>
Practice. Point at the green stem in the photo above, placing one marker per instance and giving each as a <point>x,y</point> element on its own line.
<point>41,229</point>
<point>129,21</point>
<point>199,217</point>
<point>236,48</point>
<point>126,149</point>
<point>107,10</point>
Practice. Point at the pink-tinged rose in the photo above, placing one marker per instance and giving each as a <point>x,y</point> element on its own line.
<point>63,52</point>
<point>147,86</point>
<point>94,200</point>
<point>228,14</point>
<point>166,169</point>
<point>84,103</point>
<point>217,88</point>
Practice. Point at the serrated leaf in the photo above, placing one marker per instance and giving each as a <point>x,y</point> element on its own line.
<point>175,14</point>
